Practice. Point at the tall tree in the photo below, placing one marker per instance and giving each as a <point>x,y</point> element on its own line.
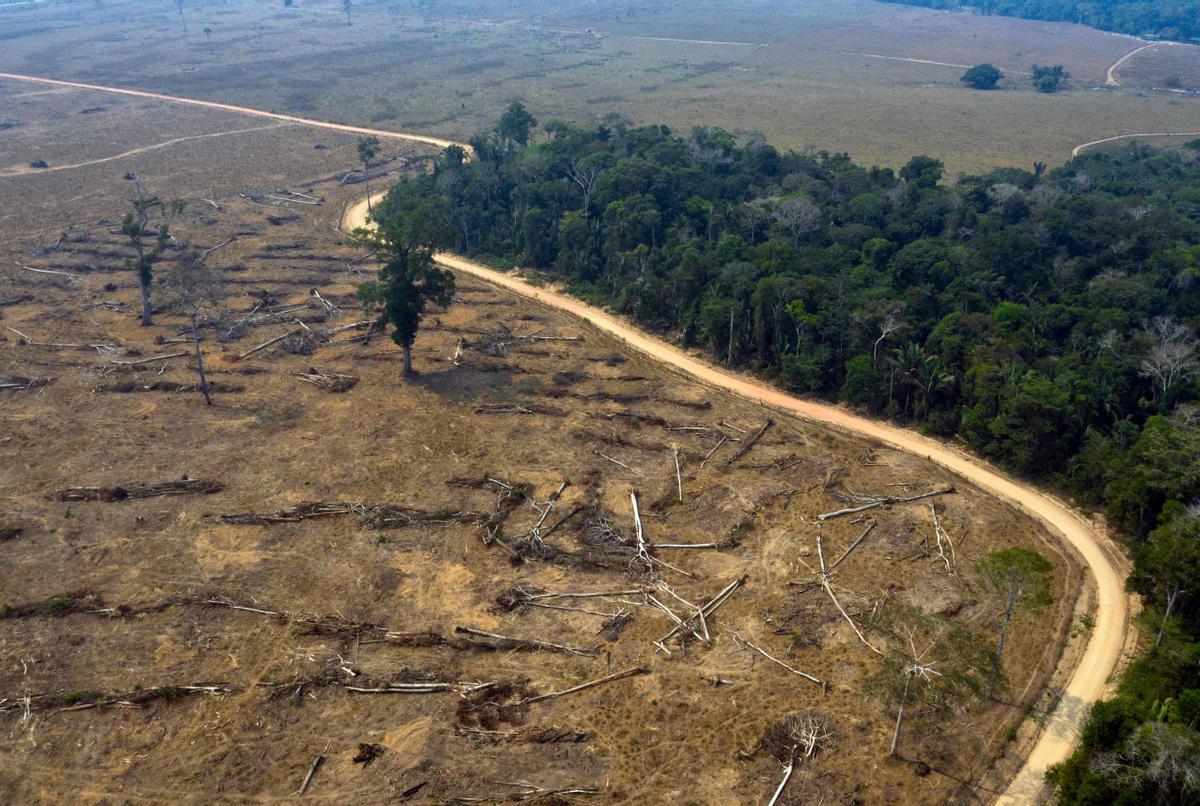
<point>368,149</point>
<point>409,280</point>
<point>1020,580</point>
<point>1167,566</point>
<point>134,228</point>
<point>515,125</point>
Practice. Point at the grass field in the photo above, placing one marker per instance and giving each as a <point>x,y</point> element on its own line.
<point>830,76</point>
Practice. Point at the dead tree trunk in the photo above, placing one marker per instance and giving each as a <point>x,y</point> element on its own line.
<point>900,717</point>
<point>200,365</point>
<point>998,661</point>
<point>1172,595</point>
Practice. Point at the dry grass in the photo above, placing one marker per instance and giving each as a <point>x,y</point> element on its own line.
<point>668,736</point>
<point>451,73</point>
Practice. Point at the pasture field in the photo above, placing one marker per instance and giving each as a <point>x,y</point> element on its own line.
<point>877,80</point>
<point>130,600</point>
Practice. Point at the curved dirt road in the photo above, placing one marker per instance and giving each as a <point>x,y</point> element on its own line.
<point>1107,637</point>
<point>1108,634</point>
<point>1111,80</point>
<point>1075,152</point>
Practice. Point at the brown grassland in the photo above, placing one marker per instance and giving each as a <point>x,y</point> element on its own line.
<point>112,599</point>
<point>830,75</point>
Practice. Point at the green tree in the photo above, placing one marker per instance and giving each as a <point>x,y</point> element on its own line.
<point>192,290</point>
<point>923,172</point>
<point>1019,579</point>
<point>368,149</point>
<point>134,228</point>
<point>515,125</point>
<point>409,279</point>
<point>1048,79</point>
<point>982,77</point>
<point>1167,566</point>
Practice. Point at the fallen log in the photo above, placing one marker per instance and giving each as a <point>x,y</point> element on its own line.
<point>883,502</point>
<point>637,670</point>
<point>496,641</point>
<point>181,487</point>
<point>750,442</point>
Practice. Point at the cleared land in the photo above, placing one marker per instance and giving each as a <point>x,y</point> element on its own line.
<point>534,413</point>
<point>817,83</point>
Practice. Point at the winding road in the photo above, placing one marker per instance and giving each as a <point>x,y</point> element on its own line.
<point>1107,638</point>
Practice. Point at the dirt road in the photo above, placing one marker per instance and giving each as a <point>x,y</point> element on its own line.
<point>1111,624</point>
<point>1112,71</point>
<point>1077,150</point>
<point>241,110</point>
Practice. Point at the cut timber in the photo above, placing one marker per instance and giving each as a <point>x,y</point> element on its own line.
<point>66,274</point>
<point>852,547</point>
<point>709,607</point>
<point>181,487</point>
<point>750,442</point>
<point>269,342</point>
<point>495,641</point>
<point>204,255</point>
<point>883,502</point>
<point>151,360</point>
<point>583,686</point>
<point>775,660</point>
<point>823,578</point>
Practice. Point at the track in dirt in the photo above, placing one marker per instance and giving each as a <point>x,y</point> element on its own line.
<point>1111,623</point>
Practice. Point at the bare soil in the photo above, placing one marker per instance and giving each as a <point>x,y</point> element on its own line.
<point>109,601</point>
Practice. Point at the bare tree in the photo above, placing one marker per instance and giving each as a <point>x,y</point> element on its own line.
<point>1172,360</point>
<point>797,217</point>
<point>930,660</point>
<point>193,291</point>
<point>889,325</point>
<point>794,740</point>
<point>585,173</point>
<point>1019,579</point>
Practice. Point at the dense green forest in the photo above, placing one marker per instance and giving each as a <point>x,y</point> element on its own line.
<point>1170,19</point>
<point>1045,318</point>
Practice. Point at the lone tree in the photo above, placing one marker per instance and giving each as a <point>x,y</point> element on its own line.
<point>134,228</point>
<point>1048,79</point>
<point>409,280</point>
<point>983,77</point>
<point>192,290</point>
<point>368,149</point>
<point>1020,580</point>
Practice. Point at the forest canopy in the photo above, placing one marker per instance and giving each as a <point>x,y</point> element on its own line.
<point>1045,318</point>
<point>1169,19</point>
